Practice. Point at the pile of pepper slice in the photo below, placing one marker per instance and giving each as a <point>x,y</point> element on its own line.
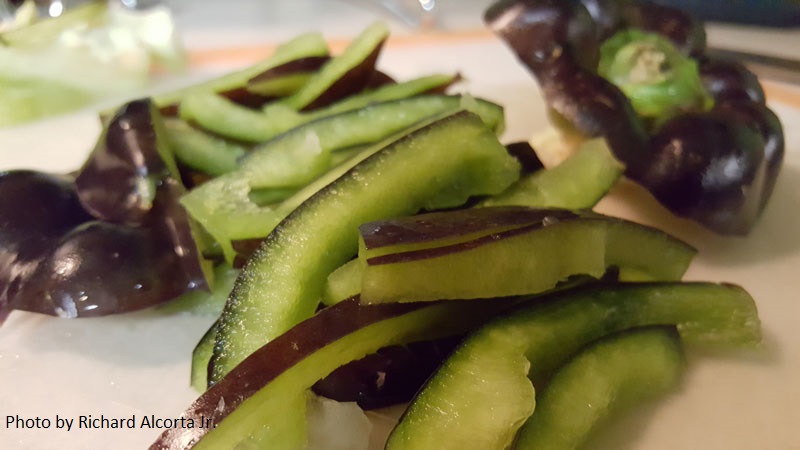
<point>712,153</point>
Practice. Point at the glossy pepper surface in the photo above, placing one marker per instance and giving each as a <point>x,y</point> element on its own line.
<point>110,240</point>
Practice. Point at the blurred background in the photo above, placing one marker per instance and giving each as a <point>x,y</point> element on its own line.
<point>138,41</point>
<point>769,26</point>
<point>275,15</point>
<point>215,23</point>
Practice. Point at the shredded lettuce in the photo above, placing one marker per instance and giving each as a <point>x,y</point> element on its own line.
<point>87,54</point>
<point>21,17</point>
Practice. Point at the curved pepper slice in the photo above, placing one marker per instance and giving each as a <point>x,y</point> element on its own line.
<point>251,405</point>
<point>282,282</point>
<point>483,393</point>
<point>604,380</point>
<point>713,156</point>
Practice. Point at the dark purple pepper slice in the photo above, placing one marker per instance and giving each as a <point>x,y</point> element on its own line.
<point>173,234</point>
<point>76,279</point>
<point>132,178</point>
<point>102,268</point>
<point>379,79</point>
<point>98,268</point>
<point>242,96</point>
<point>118,182</point>
<point>430,227</point>
<point>595,107</point>
<point>525,155</point>
<point>36,209</point>
<point>355,80</point>
<point>58,261</point>
<point>244,249</point>
<point>388,377</point>
<point>245,97</point>
<point>308,64</point>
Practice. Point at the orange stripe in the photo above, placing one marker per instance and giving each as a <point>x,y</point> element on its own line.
<point>782,93</point>
<point>239,56</point>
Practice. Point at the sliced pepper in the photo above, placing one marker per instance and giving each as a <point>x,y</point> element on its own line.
<point>295,158</point>
<point>503,251</point>
<point>604,380</point>
<point>257,395</point>
<point>438,166</point>
<point>482,394</point>
<point>139,250</point>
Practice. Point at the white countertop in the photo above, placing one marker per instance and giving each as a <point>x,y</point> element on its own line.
<point>139,363</point>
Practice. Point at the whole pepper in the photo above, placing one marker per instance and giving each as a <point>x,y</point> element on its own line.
<point>694,130</point>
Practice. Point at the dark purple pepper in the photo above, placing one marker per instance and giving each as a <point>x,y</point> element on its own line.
<point>57,259</point>
<point>247,97</point>
<point>546,30</point>
<point>728,80</point>
<point>119,180</point>
<point>36,209</point>
<point>132,178</point>
<point>525,156</point>
<point>717,167</point>
<point>708,167</point>
<point>388,377</point>
<point>682,29</point>
<point>607,15</point>
<point>759,117</point>
<point>172,231</point>
<point>594,107</point>
<point>102,268</point>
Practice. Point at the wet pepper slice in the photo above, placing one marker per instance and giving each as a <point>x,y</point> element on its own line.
<point>137,251</point>
<point>120,179</point>
<point>693,130</point>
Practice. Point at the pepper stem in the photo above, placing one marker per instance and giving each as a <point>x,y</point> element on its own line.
<point>659,80</point>
<point>649,65</point>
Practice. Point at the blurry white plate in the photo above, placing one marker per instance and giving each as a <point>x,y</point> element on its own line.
<point>139,363</point>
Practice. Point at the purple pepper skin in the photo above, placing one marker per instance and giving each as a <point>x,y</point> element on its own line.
<point>118,181</point>
<point>102,268</point>
<point>552,30</point>
<point>390,376</point>
<point>36,209</point>
<point>58,257</point>
<point>685,32</point>
<point>729,81</point>
<point>717,167</point>
<point>708,186</point>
